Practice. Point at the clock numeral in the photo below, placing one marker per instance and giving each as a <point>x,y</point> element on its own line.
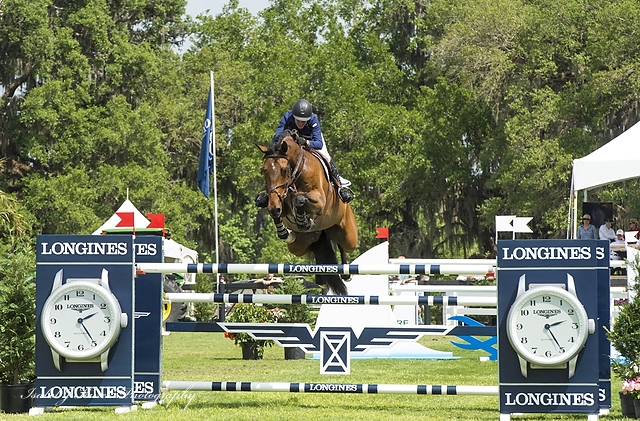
<point>56,334</point>
<point>103,333</point>
<point>65,297</point>
<point>523,340</point>
<point>524,312</point>
<point>574,325</point>
<point>561,301</point>
<point>94,343</point>
<point>519,326</point>
<point>94,297</point>
<point>570,339</point>
<point>532,303</point>
<point>571,311</point>
<point>107,319</point>
<point>534,350</point>
<point>546,299</point>
<point>547,353</point>
<point>53,321</point>
<point>103,306</point>
<point>80,347</point>
<point>562,350</point>
<point>79,293</point>
<point>57,307</point>
<point>67,343</point>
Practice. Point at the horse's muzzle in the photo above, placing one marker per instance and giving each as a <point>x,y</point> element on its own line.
<point>275,212</point>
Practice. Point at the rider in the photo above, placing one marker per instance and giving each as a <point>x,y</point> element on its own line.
<point>301,118</point>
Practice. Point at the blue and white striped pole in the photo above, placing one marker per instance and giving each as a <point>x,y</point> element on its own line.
<point>322,269</point>
<point>331,299</point>
<point>379,389</point>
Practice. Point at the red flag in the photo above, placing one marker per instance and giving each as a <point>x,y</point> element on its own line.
<point>126,219</point>
<point>383,233</point>
<point>157,220</point>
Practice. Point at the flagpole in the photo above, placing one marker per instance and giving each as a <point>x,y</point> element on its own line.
<point>215,175</point>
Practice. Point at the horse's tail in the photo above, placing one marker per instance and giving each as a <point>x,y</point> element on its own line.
<point>324,253</point>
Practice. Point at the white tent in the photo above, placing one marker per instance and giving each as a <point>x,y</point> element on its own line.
<point>173,252</point>
<point>139,220</point>
<point>618,160</point>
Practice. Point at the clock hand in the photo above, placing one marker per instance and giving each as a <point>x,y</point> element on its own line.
<point>548,327</point>
<point>555,324</point>
<point>93,314</point>
<point>80,320</point>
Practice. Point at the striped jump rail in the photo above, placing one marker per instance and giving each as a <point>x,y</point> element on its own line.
<point>399,389</point>
<point>307,269</point>
<point>330,299</point>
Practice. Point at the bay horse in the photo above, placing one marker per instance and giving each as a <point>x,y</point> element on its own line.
<point>305,206</point>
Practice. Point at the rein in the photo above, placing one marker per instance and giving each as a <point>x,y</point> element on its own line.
<point>292,176</point>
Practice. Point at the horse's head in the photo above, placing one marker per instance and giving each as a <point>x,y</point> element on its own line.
<point>278,167</point>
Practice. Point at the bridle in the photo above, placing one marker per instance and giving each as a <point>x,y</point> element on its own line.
<point>292,175</point>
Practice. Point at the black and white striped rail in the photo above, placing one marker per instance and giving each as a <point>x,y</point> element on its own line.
<point>285,268</point>
<point>400,389</point>
<point>330,299</point>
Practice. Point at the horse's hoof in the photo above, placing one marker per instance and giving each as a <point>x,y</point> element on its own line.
<point>291,238</point>
<point>346,278</point>
<point>305,226</point>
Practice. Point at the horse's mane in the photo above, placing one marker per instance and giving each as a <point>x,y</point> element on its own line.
<point>274,149</point>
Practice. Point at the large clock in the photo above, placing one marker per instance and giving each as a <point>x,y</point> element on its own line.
<point>81,320</point>
<point>548,326</point>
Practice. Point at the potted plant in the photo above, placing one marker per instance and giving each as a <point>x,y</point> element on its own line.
<point>295,313</point>
<point>17,324</point>
<point>250,313</point>
<point>625,338</point>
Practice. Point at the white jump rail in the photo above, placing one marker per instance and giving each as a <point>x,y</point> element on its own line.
<point>329,299</point>
<point>321,269</point>
<point>395,389</point>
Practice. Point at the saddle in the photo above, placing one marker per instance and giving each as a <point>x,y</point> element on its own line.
<point>323,160</point>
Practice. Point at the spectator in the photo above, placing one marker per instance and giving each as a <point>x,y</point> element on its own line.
<point>586,231</point>
<point>606,232</point>
<point>616,254</point>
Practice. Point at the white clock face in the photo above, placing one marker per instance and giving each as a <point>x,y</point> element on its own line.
<point>81,320</point>
<point>547,326</point>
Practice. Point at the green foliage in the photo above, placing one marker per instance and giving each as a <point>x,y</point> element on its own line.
<point>250,313</point>
<point>17,311</point>
<point>442,113</point>
<point>295,313</point>
<point>203,312</point>
<point>625,333</point>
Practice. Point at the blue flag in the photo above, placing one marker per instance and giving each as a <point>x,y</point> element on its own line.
<point>206,151</point>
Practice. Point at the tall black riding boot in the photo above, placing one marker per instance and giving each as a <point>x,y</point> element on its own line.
<point>262,200</point>
<point>344,193</point>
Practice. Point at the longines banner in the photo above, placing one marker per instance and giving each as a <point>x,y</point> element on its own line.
<point>553,306</point>
<point>84,320</point>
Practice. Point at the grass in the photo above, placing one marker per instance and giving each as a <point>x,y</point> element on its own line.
<point>211,357</point>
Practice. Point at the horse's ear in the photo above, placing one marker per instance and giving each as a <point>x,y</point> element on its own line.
<point>262,148</point>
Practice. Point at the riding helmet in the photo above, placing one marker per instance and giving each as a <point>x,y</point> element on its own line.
<point>301,110</point>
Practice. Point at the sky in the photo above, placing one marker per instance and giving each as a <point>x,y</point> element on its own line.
<point>195,7</point>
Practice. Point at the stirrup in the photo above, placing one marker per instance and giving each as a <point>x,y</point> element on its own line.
<point>346,194</point>
<point>344,182</point>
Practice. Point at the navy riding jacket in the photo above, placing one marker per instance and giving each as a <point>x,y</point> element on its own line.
<point>312,128</point>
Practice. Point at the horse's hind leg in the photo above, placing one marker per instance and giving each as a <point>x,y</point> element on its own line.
<point>345,261</point>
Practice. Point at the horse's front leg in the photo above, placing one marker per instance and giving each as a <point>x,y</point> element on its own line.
<point>303,222</point>
<point>308,207</point>
<point>283,233</point>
